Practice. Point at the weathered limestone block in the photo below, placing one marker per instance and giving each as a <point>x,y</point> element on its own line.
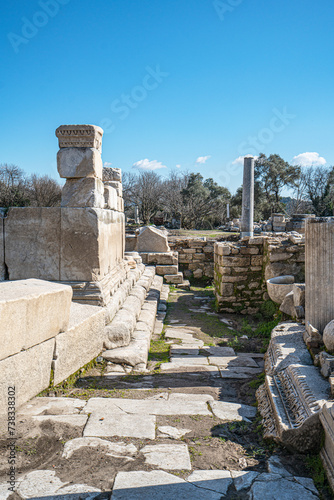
<point>327,452</point>
<point>31,311</point>
<point>33,238</point>
<point>85,192</point>
<point>288,305</point>
<point>151,239</point>
<point>328,336</point>
<point>112,174</point>
<point>238,261</point>
<point>28,371</point>
<point>120,204</point>
<point>2,254</point>
<point>82,341</point>
<point>319,272</point>
<point>162,258</point>
<point>88,235</point>
<point>162,270</point>
<point>79,162</point>
<point>80,136</point>
<point>294,392</point>
<point>174,278</point>
<point>299,294</point>
<point>110,197</point>
<point>116,185</point>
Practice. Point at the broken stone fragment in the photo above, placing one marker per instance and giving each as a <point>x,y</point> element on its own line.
<point>328,336</point>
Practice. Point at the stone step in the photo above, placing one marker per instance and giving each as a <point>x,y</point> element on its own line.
<point>176,278</point>
<point>135,354</point>
<point>163,270</point>
<point>119,331</point>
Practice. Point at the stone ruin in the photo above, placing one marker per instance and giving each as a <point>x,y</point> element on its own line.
<point>69,291</point>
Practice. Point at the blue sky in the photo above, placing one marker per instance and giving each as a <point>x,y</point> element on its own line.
<point>176,84</point>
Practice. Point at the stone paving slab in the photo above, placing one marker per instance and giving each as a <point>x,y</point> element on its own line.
<point>232,411</point>
<point>167,456</point>
<point>233,361</point>
<point>71,420</point>
<point>168,431</point>
<point>215,480</point>
<point>110,425</point>
<point>52,406</point>
<point>189,360</point>
<point>118,449</point>
<point>239,372</point>
<point>279,489</point>
<point>174,406</point>
<point>44,483</point>
<point>157,485</point>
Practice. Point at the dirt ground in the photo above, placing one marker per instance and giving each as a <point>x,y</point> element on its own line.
<point>212,443</point>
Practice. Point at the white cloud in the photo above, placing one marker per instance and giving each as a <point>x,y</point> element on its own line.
<point>309,160</point>
<point>178,166</point>
<point>203,159</point>
<point>107,164</point>
<point>148,165</point>
<point>240,160</point>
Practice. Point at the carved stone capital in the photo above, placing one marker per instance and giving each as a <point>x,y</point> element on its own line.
<point>80,136</point>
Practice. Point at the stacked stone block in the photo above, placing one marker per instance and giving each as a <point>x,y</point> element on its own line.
<point>242,268</point>
<point>195,256</point>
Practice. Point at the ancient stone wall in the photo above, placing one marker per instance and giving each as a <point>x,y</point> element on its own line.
<point>195,256</point>
<point>242,268</point>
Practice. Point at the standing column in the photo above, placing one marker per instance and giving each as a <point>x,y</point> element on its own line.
<point>319,272</point>
<point>247,218</point>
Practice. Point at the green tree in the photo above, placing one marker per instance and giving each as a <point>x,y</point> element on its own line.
<point>204,203</point>
<point>273,174</point>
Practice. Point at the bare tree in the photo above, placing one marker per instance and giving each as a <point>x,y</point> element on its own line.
<point>147,193</point>
<point>45,192</point>
<point>14,187</point>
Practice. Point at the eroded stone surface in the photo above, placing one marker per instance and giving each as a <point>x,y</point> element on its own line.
<point>172,432</point>
<point>157,485</point>
<point>215,480</point>
<point>109,448</point>
<point>232,411</point>
<point>168,456</point>
<point>122,425</point>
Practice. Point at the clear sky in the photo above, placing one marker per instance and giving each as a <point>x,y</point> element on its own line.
<point>176,84</point>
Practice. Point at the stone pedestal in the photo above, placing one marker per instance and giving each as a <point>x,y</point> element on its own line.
<point>319,273</point>
<point>247,218</point>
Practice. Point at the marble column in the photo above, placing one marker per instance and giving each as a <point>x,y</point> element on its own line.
<point>247,218</point>
<point>319,272</point>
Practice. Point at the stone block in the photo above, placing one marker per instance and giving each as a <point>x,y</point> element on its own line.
<point>162,270</point>
<point>151,239</point>
<point>31,311</point>
<point>249,250</point>
<point>257,260</point>
<point>238,261</point>
<point>79,162</point>
<point>116,185</point>
<point>189,250</point>
<point>81,244</point>
<point>28,371</point>
<point>85,192</point>
<point>174,278</point>
<point>110,197</point>
<point>120,204</point>
<point>80,136</point>
<point>162,258</point>
<point>33,238</point>
<point>112,174</point>
<point>299,294</point>
<point>81,343</point>
<point>226,289</point>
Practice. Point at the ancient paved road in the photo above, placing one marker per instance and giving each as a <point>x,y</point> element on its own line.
<point>174,435</point>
